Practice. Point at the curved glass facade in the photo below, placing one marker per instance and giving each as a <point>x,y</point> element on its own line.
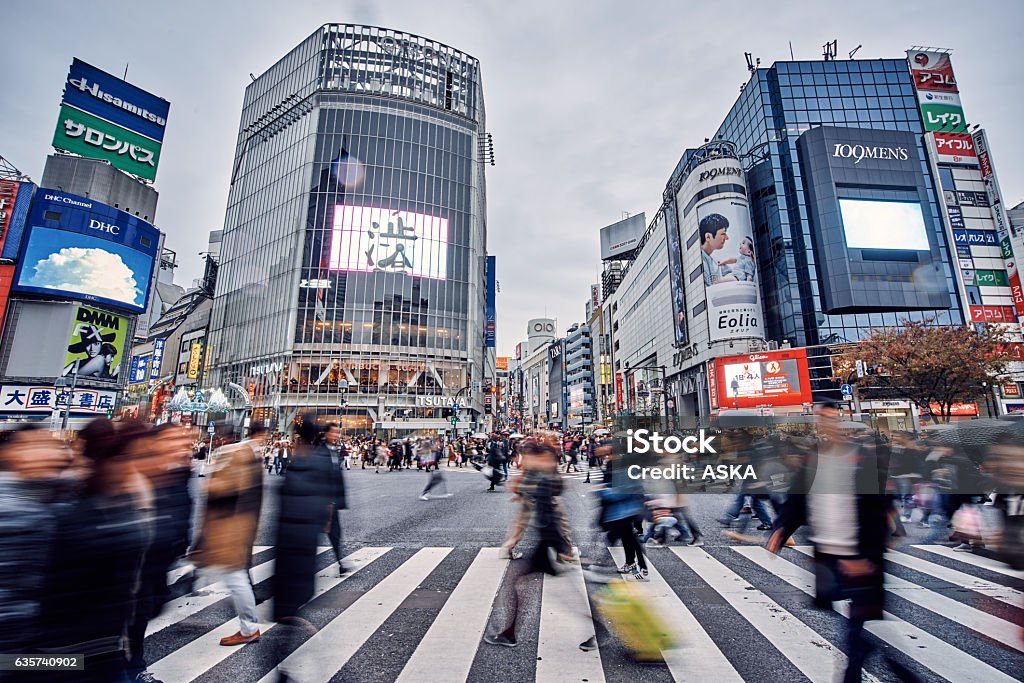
<point>354,248</point>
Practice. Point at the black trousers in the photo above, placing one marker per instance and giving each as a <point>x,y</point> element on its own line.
<point>622,530</point>
<point>334,533</point>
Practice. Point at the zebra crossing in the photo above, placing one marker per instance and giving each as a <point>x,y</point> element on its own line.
<point>951,616</point>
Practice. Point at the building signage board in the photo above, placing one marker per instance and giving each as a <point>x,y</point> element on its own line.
<point>158,357</point>
<point>955,148</point>
<point>104,117</point>
<point>776,378</point>
<point>719,214</point>
<point>490,333</point>
<point>944,117</point>
<point>195,356</point>
<point>96,347</point>
<point>676,284</point>
<point>37,399</point>
<point>92,137</point>
<point>956,217</point>
<point>932,71</point>
<point>713,384</point>
<point>369,239</point>
<point>83,249</point>
<point>620,239</point>
<point>140,368</point>
<point>1011,242</point>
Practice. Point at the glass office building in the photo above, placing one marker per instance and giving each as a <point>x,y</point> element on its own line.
<point>354,254</point>
<point>775,108</point>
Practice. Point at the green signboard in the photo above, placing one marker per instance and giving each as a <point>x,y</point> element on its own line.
<point>96,138</point>
<point>948,118</point>
<point>991,278</point>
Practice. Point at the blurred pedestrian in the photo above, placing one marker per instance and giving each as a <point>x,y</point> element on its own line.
<point>166,455</point>
<point>332,436</point>
<point>31,465</point>
<point>433,450</point>
<point>305,510</point>
<point>838,494</point>
<point>94,568</point>
<point>234,494</point>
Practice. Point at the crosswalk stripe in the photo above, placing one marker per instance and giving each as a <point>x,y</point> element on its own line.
<point>176,574</point>
<point>1010,596</point>
<point>935,654</point>
<point>565,622</point>
<point>957,612</point>
<point>198,656</point>
<point>971,558</point>
<point>181,608</point>
<point>443,654</point>
<point>320,657</point>
<point>806,649</point>
<point>697,656</point>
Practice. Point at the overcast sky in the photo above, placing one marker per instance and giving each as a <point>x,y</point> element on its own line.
<point>590,103</point>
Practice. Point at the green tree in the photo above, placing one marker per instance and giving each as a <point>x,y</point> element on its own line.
<point>929,364</point>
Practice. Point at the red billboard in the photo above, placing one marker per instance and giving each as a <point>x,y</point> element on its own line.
<point>713,384</point>
<point>8,195</point>
<point>955,148</point>
<point>932,70</point>
<point>772,378</point>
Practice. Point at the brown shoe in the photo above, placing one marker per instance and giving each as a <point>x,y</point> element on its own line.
<point>239,639</point>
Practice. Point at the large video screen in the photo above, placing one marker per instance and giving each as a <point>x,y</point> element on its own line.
<point>776,378</point>
<point>369,239</point>
<point>86,267</point>
<point>877,224</point>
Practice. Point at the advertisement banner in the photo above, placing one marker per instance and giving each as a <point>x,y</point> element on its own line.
<point>713,384</point>
<point>15,200</point>
<point>195,356</point>
<point>618,391</point>
<point>140,368</point>
<point>676,286</point>
<point>956,217</point>
<point>1011,242</point>
<point>501,363</point>
<point>92,137</point>
<point>955,148</point>
<point>96,347</point>
<point>932,70</point>
<point>34,399</point>
<point>104,95</point>
<point>158,357</point>
<point>943,117</point>
<point>83,249</point>
<point>730,269</point>
<point>370,239</point>
<point>491,321</point>
<point>774,378</point>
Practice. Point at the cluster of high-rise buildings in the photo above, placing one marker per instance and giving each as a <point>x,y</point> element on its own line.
<point>350,277</point>
<point>836,196</point>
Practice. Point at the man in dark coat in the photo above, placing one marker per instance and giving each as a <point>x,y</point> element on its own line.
<point>495,459</point>
<point>304,511</point>
<point>839,495</point>
<point>332,439</point>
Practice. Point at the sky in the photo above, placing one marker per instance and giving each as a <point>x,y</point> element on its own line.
<point>590,102</point>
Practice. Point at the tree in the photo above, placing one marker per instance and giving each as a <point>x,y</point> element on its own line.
<point>931,365</point>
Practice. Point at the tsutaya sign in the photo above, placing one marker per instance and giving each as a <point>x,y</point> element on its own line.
<point>265,369</point>
<point>435,401</point>
<point>861,152</point>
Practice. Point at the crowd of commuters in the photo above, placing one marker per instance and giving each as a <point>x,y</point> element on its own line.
<point>93,527</point>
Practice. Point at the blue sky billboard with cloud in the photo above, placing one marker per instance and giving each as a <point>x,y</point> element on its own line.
<point>79,248</point>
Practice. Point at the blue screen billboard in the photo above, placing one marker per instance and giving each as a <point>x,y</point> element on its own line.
<point>108,97</point>
<point>490,333</point>
<point>81,249</point>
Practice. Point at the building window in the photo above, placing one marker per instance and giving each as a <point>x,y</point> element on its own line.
<point>946,178</point>
<point>693,239</point>
<point>700,308</point>
<point>696,273</point>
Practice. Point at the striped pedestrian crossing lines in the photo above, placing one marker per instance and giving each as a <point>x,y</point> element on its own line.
<point>955,616</point>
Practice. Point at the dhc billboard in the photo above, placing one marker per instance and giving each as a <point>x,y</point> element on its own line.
<point>79,248</point>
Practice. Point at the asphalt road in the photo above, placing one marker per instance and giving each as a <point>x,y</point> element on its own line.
<point>425,585</point>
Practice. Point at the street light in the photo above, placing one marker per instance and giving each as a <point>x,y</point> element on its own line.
<point>60,383</point>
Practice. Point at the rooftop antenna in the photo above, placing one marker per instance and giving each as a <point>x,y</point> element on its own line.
<point>854,51</point>
<point>752,64</point>
<point>828,50</point>
<point>791,51</point>
<point>125,72</point>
